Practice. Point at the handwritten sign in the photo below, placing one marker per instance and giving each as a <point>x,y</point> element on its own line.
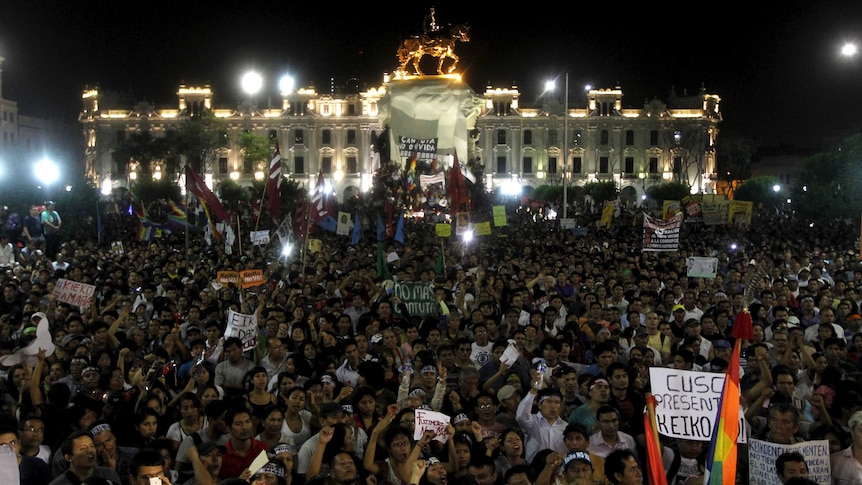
<point>244,327</point>
<point>73,293</point>
<point>430,421</point>
<point>419,298</point>
<point>225,277</point>
<point>688,403</point>
<point>762,456</point>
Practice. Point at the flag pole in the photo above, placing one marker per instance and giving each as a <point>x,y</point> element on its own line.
<point>307,230</point>
<point>260,205</point>
<point>238,233</point>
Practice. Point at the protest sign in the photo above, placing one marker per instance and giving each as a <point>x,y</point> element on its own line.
<point>661,235</point>
<point>225,277</point>
<point>259,238</point>
<point>252,277</point>
<point>443,229</point>
<point>117,248</point>
<point>432,421</point>
<point>688,403</point>
<point>244,327</point>
<point>343,226</point>
<point>762,456</point>
<point>419,298</point>
<point>699,267</point>
<point>9,471</point>
<point>499,212</point>
<point>73,293</point>
<point>482,228</point>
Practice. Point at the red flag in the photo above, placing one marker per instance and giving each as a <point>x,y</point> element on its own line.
<point>655,466</point>
<point>300,219</point>
<point>196,185</point>
<point>457,188</point>
<point>321,205</point>
<point>274,184</point>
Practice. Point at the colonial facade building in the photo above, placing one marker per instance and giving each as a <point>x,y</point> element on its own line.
<point>597,139</point>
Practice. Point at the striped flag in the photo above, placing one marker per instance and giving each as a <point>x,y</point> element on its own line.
<point>655,466</point>
<point>721,460</point>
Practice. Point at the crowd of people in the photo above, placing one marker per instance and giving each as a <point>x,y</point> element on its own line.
<point>538,352</point>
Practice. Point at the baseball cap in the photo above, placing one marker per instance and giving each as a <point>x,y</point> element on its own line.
<point>678,307</point>
<point>460,417</point>
<point>721,344</point>
<point>207,447</point>
<point>505,392</point>
<point>792,321</point>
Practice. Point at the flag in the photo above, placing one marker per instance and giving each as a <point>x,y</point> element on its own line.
<point>196,185</point>
<point>399,228</point>
<point>356,234</point>
<point>457,188</point>
<point>440,265</point>
<point>300,220</point>
<point>380,228</point>
<point>410,179</point>
<point>655,466</point>
<point>273,184</point>
<point>721,460</point>
<point>607,215</point>
<point>382,267</point>
<point>177,215</point>
<point>321,205</point>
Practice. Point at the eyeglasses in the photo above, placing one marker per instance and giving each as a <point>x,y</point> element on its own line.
<point>10,444</point>
<point>486,406</point>
<point>400,444</point>
<point>34,430</point>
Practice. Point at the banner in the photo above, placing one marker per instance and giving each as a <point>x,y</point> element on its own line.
<point>692,207</point>
<point>443,230</point>
<point>432,421</point>
<point>688,402</point>
<point>762,456</point>
<point>607,215</point>
<point>661,235</point>
<point>715,213</point>
<point>424,148</point>
<point>244,327</point>
<point>259,238</point>
<point>482,229</point>
<point>438,178</point>
<point>499,212</point>
<point>698,267</point>
<point>419,298</point>
<point>343,227</point>
<point>73,293</point>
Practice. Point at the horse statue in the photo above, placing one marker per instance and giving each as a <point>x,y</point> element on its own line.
<point>440,46</point>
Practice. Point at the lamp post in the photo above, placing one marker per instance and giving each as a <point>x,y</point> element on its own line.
<point>549,86</point>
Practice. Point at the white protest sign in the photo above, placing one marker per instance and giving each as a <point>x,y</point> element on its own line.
<point>762,456</point>
<point>259,238</point>
<point>688,403</point>
<point>9,473</point>
<point>244,327</point>
<point>510,355</point>
<point>430,421</point>
<point>73,293</point>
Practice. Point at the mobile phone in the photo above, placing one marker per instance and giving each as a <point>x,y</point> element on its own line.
<point>155,481</point>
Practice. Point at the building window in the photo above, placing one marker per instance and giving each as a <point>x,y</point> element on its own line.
<point>604,138</point>
<point>576,139</point>
<point>630,165</point>
<point>351,110</point>
<point>501,165</point>
<point>351,137</point>
<point>630,137</point>
<point>653,138</point>
<point>552,164</point>
<point>326,137</point>
<point>222,164</point>
<point>653,165</point>
<point>299,164</point>
<point>528,164</point>
<point>326,165</point>
<point>577,165</point>
<point>603,164</point>
<point>501,137</point>
<point>273,136</point>
<point>299,137</point>
<point>352,165</point>
<point>552,137</point>
<point>528,137</point>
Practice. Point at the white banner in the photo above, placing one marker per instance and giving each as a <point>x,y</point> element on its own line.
<point>438,178</point>
<point>688,403</point>
<point>73,293</point>
<point>762,456</point>
<point>244,327</point>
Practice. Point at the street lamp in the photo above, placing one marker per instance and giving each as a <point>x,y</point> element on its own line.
<point>251,83</point>
<point>46,172</point>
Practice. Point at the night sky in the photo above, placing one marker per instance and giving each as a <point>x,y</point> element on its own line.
<point>776,68</point>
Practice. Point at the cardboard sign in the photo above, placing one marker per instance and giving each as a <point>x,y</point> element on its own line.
<point>244,327</point>
<point>252,277</point>
<point>73,293</point>
<point>430,421</point>
<point>762,456</point>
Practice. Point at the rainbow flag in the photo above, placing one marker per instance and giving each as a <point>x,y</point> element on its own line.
<point>721,461</point>
<point>655,465</point>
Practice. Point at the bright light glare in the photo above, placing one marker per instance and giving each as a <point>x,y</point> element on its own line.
<point>733,246</point>
<point>848,50</point>
<point>511,187</point>
<point>286,84</point>
<point>468,235</point>
<point>550,85</point>
<point>285,251</point>
<point>776,188</point>
<point>46,171</point>
<point>252,82</point>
